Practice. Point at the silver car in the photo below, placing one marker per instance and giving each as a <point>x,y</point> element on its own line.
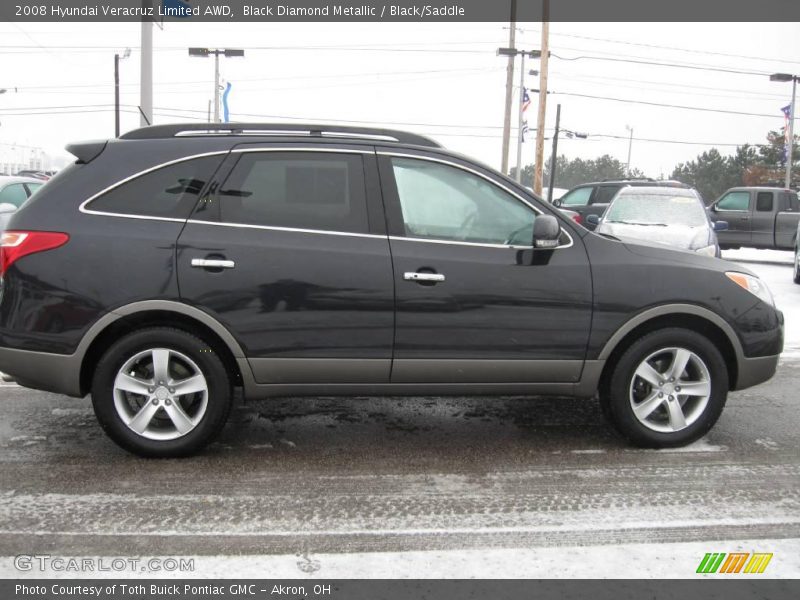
<point>14,191</point>
<point>671,216</point>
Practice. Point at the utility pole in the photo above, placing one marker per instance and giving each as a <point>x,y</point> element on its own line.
<point>512,34</point>
<point>790,125</point>
<point>512,52</point>
<point>553,156</point>
<point>537,173</point>
<point>146,75</point>
<point>216,87</point>
<point>790,149</point>
<point>117,58</point>
<point>206,52</point>
<point>630,147</point>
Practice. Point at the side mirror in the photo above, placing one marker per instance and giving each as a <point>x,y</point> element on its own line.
<point>593,220</point>
<point>713,208</point>
<point>720,225</point>
<point>557,202</point>
<point>6,208</point>
<point>546,232</point>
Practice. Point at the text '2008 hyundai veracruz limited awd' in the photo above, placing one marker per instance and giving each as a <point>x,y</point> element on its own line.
<point>166,268</point>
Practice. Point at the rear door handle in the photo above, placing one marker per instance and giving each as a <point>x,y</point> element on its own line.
<point>207,263</point>
<point>433,277</point>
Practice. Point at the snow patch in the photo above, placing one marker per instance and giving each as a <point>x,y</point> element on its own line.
<point>624,561</point>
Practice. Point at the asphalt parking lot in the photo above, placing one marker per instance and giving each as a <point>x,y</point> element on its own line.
<point>342,487</point>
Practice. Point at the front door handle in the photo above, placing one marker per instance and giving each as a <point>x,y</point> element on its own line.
<point>431,277</point>
<point>208,263</point>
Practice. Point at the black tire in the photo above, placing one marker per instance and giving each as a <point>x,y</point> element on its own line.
<point>619,392</point>
<point>216,400</point>
<point>797,265</point>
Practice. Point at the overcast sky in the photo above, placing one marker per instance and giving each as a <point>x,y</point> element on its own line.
<point>440,80</point>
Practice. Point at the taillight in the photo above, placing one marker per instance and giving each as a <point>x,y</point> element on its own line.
<point>578,219</point>
<point>16,244</point>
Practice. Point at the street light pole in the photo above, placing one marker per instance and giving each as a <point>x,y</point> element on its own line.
<point>521,111</point>
<point>630,148</point>
<point>790,129</point>
<point>554,155</point>
<point>205,52</point>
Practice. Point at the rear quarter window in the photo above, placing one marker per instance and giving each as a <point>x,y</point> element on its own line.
<point>167,192</point>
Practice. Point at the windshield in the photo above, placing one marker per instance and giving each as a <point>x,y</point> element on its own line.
<point>645,209</point>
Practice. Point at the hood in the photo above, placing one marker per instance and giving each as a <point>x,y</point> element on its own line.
<point>679,236</point>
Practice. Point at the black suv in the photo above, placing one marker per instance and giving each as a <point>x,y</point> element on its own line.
<point>593,198</point>
<point>170,266</point>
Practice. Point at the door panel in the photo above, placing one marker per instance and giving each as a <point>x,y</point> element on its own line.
<point>495,311</point>
<point>763,219</point>
<point>307,304</point>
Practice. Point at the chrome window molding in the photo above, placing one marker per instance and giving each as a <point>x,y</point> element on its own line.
<point>84,209</point>
<point>492,182</point>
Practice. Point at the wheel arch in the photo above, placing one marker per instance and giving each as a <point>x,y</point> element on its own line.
<point>155,313</point>
<point>687,316</point>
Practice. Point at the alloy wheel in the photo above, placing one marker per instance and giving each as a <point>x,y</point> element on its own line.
<point>670,389</point>
<point>160,394</point>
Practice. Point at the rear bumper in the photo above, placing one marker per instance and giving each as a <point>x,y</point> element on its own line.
<point>59,373</point>
<point>753,371</point>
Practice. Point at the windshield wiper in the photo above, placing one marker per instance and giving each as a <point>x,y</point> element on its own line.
<point>639,223</point>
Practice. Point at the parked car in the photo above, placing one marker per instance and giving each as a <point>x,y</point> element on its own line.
<point>14,191</point>
<point>35,174</point>
<point>377,263</point>
<point>673,216</point>
<point>593,198</point>
<point>758,217</point>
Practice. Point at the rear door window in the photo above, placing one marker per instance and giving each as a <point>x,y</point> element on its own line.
<point>167,192</point>
<point>764,202</point>
<point>605,193</point>
<point>734,201</point>
<point>296,190</point>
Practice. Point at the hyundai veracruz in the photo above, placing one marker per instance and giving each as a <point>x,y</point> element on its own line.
<point>167,267</point>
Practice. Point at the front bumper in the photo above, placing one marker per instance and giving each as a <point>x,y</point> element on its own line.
<point>753,371</point>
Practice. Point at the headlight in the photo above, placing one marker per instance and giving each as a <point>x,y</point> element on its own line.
<point>707,250</point>
<point>753,285</point>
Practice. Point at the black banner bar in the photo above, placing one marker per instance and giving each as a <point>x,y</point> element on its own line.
<point>397,10</point>
<point>740,588</point>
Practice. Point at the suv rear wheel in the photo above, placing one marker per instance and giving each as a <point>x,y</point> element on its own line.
<point>797,264</point>
<point>668,389</point>
<point>161,393</point>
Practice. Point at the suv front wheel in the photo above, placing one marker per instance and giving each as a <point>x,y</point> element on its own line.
<point>161,393</point>
<point>667,389</point>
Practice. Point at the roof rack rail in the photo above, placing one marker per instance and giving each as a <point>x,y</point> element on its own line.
<point>315,130</point>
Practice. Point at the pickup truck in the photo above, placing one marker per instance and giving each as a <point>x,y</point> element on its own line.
<point>758,217</point>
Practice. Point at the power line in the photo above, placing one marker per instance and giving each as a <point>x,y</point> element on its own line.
<point>661,104</point>
<point>663,64</point>
<point>677,49</point>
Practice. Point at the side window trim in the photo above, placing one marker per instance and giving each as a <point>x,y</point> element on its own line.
<point>86,210</point>
<point>394,213</point>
